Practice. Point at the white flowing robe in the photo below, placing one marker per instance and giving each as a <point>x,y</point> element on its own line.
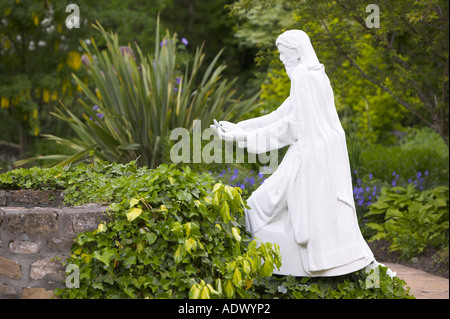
<point>307,205</point>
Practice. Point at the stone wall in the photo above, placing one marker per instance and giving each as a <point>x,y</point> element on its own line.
<point>36,235</point>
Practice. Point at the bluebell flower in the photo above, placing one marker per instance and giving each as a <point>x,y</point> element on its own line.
<point>95,108</point>
<point>358,181</point>
<point>184,41</point>
<point>419,174</point>
<point>367,189</point>
<point>394,182</point>
<point>409,181</point>
<point>370,176</point>
<point>393,174</point>
<point>426,173</point>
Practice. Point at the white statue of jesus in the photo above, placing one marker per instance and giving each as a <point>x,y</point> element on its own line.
<point>306,206</point>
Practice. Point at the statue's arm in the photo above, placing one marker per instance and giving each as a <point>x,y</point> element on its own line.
<point>266,120</point>
<point>274,136</point>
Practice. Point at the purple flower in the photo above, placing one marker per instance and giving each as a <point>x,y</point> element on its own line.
<point>95,108</point>
<point>393,174</point>
<point>409,181</point>
<point>394,182</point>
<point>163,42</point>
<point>260,175</point>
<point>127,50</point>
<point>367,189</point>
<point>426,173</point>
<point>419,174</point>
<point>85,60</point>
<point>100,115</point>
<point>184,41</point>
<point>370,176</point>
<point>178,80</point>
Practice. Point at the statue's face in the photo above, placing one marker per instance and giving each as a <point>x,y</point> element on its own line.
<point>289,57</point>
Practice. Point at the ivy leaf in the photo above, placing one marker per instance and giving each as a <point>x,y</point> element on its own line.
<point>190,244</point>
<point>205,293</point>
<point>267,268</point>
<point>229,289</point>
<point>104,255</point>
<point>237,278</point>
<point>178,256</point>
<point>236,233</point>
<point>133,214</point>
<point>133,202</point>
<point>194,292</point>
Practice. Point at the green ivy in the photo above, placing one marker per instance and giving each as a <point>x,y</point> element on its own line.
<point>410,219</point>
<point>173,233</point>
<point>180,237</point>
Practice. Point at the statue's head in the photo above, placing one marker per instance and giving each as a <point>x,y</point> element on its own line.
<point>295,48</point>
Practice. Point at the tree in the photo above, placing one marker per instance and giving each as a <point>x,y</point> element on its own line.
<point>412,42</point>
<point>38,54</point>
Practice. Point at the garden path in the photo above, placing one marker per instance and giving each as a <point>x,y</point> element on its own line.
<point>423,285</point>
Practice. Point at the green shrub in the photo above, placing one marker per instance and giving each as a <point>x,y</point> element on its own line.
<point>178,234</point>
<point>410,219</point>
<point>421,150</point>
<point>179,238</point>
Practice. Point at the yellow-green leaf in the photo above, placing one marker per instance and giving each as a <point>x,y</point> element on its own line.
<point>216,187</point>
<point>219,286</point>
<point>133,202</point>
<point>236,233</point>
<point>177,255</point>
<point>229,191</point>
<point>194,292</point>
<point>205,293</point>
<point>267,268</point>
<point>134,213</point>
<point>229,289</point>
<point>190,244</point>
<point>246,267</point>
<point>101,228</point>
<point>237,277</point>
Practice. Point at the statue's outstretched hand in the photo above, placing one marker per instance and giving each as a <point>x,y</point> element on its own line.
<point>232,135</point>
<point>230,132</point>
<point>228,126</point>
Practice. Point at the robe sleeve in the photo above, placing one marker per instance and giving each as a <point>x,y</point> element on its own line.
<point>265,120</point>
<point>275,135</point>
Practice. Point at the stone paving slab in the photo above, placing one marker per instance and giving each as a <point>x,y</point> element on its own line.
<point>423,285</point>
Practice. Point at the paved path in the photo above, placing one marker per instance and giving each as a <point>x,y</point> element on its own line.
<point>423,285</point>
